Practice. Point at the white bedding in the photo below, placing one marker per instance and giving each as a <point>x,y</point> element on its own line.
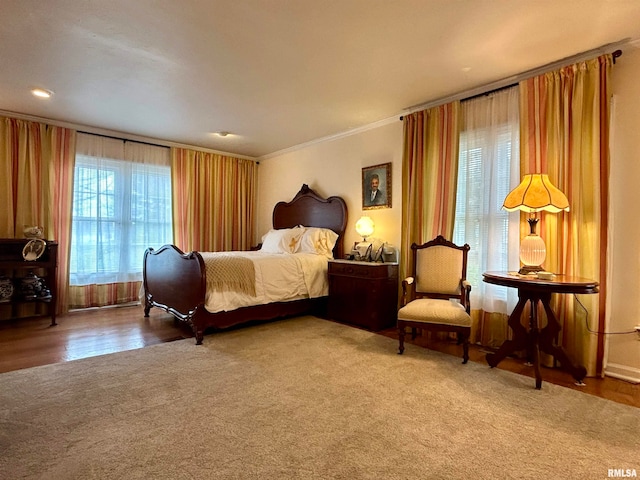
<point>279,278</point>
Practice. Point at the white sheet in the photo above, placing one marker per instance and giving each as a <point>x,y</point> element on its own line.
<point>279,278</point>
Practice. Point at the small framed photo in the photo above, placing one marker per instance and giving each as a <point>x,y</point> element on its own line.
<point>376,186</point>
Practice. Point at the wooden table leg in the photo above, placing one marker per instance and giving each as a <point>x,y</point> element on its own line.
<point>547,343</point>
<point>534,338</point>
<point>520,337</point>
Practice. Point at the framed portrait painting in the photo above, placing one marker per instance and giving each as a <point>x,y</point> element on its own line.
<point>376,186</point>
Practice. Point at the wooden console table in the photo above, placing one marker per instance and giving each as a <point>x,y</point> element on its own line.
<point>534,290</point>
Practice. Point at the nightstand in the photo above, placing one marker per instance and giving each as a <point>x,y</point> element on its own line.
<point>364,294</point>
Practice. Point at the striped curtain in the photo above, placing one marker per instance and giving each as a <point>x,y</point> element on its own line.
<point>429,176</point>
<point>103,294</point>
<point>213,200</point>
<point>564,132</point>
<point>36,165</point>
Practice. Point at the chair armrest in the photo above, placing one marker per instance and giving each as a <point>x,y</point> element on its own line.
<point>466,293</point>
<point>408,289</point>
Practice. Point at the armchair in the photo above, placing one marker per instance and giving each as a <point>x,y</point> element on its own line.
<point>439,269</point>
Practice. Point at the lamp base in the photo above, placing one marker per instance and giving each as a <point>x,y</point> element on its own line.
<point>529,269</point>
<point>532,251</point>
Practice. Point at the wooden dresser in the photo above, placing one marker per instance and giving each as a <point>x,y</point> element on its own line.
<point>364,294</point>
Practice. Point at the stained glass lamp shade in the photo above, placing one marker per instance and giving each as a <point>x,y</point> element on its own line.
<point>535,193</point>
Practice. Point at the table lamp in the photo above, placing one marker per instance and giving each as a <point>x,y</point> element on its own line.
<point>364,227</point>
<point>534,194</point>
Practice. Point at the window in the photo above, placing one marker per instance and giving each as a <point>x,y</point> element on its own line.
<point>120,208</point>
<point>488,169</point>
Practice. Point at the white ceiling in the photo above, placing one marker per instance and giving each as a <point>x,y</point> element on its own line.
<point>277,73</point>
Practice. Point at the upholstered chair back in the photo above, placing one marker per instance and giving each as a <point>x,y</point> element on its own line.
<point>439,270</point>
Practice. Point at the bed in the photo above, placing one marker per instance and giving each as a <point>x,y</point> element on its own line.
<point>176,282</point>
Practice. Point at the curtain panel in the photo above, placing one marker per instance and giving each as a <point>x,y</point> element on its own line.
<point>36,165</point>
<point>213,200</point>
<point>564,121</point>
<point>121,206</point>
<point>429,176</point>
<point>488,171</point>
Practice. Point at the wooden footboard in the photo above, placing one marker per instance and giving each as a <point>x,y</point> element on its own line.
<point>175,282</point>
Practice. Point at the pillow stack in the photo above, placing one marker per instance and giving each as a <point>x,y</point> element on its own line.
<point>300,239</point>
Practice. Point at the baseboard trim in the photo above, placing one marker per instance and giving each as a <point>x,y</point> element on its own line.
<point>623,372</point>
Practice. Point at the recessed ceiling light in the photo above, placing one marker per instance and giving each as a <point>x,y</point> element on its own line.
<point>222,134</point>
<point>41,92</point>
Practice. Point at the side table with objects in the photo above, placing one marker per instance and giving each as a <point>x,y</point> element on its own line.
<point>536,290</point>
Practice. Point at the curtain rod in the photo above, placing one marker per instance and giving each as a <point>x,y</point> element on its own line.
<point>168,144</point>
<point>616,54</point>
<point>513,81</point>
<point>495,90</point>
<point>123,139</point>
<point>125,136</point>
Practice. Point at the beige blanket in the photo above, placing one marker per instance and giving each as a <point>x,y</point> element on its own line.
<point>230,273</point>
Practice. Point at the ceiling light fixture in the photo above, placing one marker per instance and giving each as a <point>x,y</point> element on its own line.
<point>41,92</point>
<point>222,134</point>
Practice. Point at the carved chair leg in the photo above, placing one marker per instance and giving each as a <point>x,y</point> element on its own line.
<point>465,347</point>
<point>414,333</point>
<point>401,340</point>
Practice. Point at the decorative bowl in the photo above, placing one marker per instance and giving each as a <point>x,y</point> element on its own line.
<point>33,232</point>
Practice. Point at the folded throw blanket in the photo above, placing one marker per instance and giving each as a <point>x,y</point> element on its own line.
<point>228,272</point>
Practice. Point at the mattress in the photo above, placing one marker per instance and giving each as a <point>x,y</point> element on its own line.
<point>278,278</point>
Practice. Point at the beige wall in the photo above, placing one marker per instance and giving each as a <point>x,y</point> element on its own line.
<point>334,167</point>
<point>624,291</point>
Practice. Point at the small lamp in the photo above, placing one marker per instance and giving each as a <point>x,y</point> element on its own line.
<point>364,227</point>
<point>534,194</point>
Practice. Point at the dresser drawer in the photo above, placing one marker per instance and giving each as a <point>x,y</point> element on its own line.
<point>361,269</point>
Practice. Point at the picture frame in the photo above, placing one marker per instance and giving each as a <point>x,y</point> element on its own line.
<point>378,178</point>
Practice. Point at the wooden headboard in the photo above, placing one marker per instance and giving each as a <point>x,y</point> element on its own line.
<point>311,210</point>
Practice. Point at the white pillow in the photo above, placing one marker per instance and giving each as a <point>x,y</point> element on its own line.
<point>319,241</point>
<point>285,240</point>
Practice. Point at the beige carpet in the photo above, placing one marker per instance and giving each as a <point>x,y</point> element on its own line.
<point>302,398</point>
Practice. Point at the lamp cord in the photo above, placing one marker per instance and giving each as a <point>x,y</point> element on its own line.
<point>595,332</point>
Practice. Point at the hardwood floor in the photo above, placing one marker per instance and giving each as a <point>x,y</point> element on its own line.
<point>31,342</point>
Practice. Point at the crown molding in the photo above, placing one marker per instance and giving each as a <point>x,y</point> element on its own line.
<point>117,134</point>
<point>330,138</point>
